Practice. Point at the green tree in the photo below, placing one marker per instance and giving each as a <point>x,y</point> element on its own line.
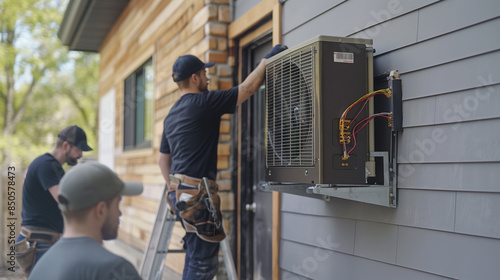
<point>43,88</point>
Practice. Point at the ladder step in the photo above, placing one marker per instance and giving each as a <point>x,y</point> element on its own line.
<point>155,254</point>
<point>154,257</point>
<point>170,251</point>
<point>177,251</point>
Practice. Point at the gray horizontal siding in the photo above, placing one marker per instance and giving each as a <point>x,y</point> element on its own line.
<point>468,105</point>
<point>328,232</point>
<point>292,19</point>
<point>351,18</point>
<point>478,214</point>
<point>378,246</point>
<point>446,223</point>
<point>376,241</point>
<point>458,212</point>
<point>471,177</point>
<point>306,262</point>
<point>448,16</point>
<point>416,208</point>
<point>453,255</point>
<point>394,34</point>
<point>464,74</point>
<point>475,141</point>
<point>463,43</point>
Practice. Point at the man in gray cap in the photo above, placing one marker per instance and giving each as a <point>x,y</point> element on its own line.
<point>42,220</point>
<point>89,197</point>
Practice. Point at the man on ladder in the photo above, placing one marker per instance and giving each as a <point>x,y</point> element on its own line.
<point>188,157</point>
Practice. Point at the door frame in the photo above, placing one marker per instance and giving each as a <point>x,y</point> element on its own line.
<point>255,234</point>
<point>245,29</point>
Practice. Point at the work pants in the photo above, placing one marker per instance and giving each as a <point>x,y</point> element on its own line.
<point>202,261</point>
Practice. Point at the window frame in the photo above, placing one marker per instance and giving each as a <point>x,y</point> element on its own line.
<point>138,108</point>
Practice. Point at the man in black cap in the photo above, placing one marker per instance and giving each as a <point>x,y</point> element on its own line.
<point>42,220</point>
<point>188,153</point>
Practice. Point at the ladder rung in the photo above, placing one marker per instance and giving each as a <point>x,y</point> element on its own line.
<point>155,254</point>
<point>177,251</point>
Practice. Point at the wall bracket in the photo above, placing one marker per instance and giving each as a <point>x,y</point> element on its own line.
<point>383,195</point>
<point>374,194</point>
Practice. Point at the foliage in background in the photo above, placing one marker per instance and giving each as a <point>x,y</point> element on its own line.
<point>43,87</point>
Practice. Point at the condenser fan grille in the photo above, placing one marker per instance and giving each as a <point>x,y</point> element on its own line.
<point>289,97</point>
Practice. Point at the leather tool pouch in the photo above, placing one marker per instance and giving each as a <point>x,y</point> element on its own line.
<point>26,248</point>
<point>25,255</point>
<point>194,208</point>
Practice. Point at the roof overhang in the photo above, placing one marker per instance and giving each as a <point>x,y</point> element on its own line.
<point>86,23</point>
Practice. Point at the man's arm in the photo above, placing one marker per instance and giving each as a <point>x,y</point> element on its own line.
<point>165,162</point>
<point>252,82</point>
<point>53,191</point>
<point>256,77</point>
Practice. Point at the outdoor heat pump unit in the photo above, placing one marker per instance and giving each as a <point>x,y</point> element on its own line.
<point>313,146</point>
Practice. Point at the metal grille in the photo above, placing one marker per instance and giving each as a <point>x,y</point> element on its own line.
<point>289,109</point>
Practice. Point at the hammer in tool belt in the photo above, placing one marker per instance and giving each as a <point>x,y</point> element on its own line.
<point>210,204</point>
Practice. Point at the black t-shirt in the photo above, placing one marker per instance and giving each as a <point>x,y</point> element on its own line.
<point>39,207</point>
<point>191,131</point>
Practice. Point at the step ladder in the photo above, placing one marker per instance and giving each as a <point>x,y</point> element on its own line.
<point>154,257</point>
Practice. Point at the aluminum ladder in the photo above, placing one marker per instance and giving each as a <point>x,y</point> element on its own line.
<point>154,257</point>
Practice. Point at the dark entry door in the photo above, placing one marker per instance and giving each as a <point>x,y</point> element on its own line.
<point>256,205</point>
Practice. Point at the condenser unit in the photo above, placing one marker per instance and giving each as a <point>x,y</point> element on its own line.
<point>308,87</point>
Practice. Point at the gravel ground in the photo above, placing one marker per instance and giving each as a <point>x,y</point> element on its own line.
<point>7,274</point>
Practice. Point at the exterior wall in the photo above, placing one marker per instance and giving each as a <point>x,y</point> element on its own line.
<point>163,30</point>
<point>446,223</point>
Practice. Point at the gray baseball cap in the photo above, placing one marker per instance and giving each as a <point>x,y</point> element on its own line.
<point>88,183</point>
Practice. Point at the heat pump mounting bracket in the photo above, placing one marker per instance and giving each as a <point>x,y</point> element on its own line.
<point>383,195</point>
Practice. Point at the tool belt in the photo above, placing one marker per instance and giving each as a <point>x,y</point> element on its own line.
<point>198,208</point>
<point>26,248</point>
<point>40,235</point>
<point>178,179</point>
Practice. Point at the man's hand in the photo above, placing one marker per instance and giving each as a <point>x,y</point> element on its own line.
<point>276,50</point>
<point>256,77</point>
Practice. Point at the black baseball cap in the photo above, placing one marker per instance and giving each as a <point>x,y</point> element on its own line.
<point>187,65</point>
<point>76,136</point>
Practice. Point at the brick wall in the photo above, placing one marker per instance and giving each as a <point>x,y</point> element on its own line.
<point>164,30</point>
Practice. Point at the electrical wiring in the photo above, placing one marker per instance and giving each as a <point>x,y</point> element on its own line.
<point>365,122</point>
<point>387,92</point>
<point>366,97</point>
<point>361,110</point>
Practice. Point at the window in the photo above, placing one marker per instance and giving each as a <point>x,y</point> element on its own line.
<point>138,108</point>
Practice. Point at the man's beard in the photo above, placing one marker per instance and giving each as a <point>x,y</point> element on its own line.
<point>109,231</point>
<point>203,87</point>
<point>71,161</point>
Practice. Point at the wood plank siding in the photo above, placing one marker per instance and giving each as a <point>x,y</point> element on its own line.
<point>446,225</point>
<point>163,31</point>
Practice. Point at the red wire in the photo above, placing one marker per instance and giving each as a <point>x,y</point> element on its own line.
<point>366,121</point>
<point>352,106</point>
<point>366,102</point>
<point>368,97</point>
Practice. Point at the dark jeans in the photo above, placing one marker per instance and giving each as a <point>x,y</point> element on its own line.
<point>202,261</point>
